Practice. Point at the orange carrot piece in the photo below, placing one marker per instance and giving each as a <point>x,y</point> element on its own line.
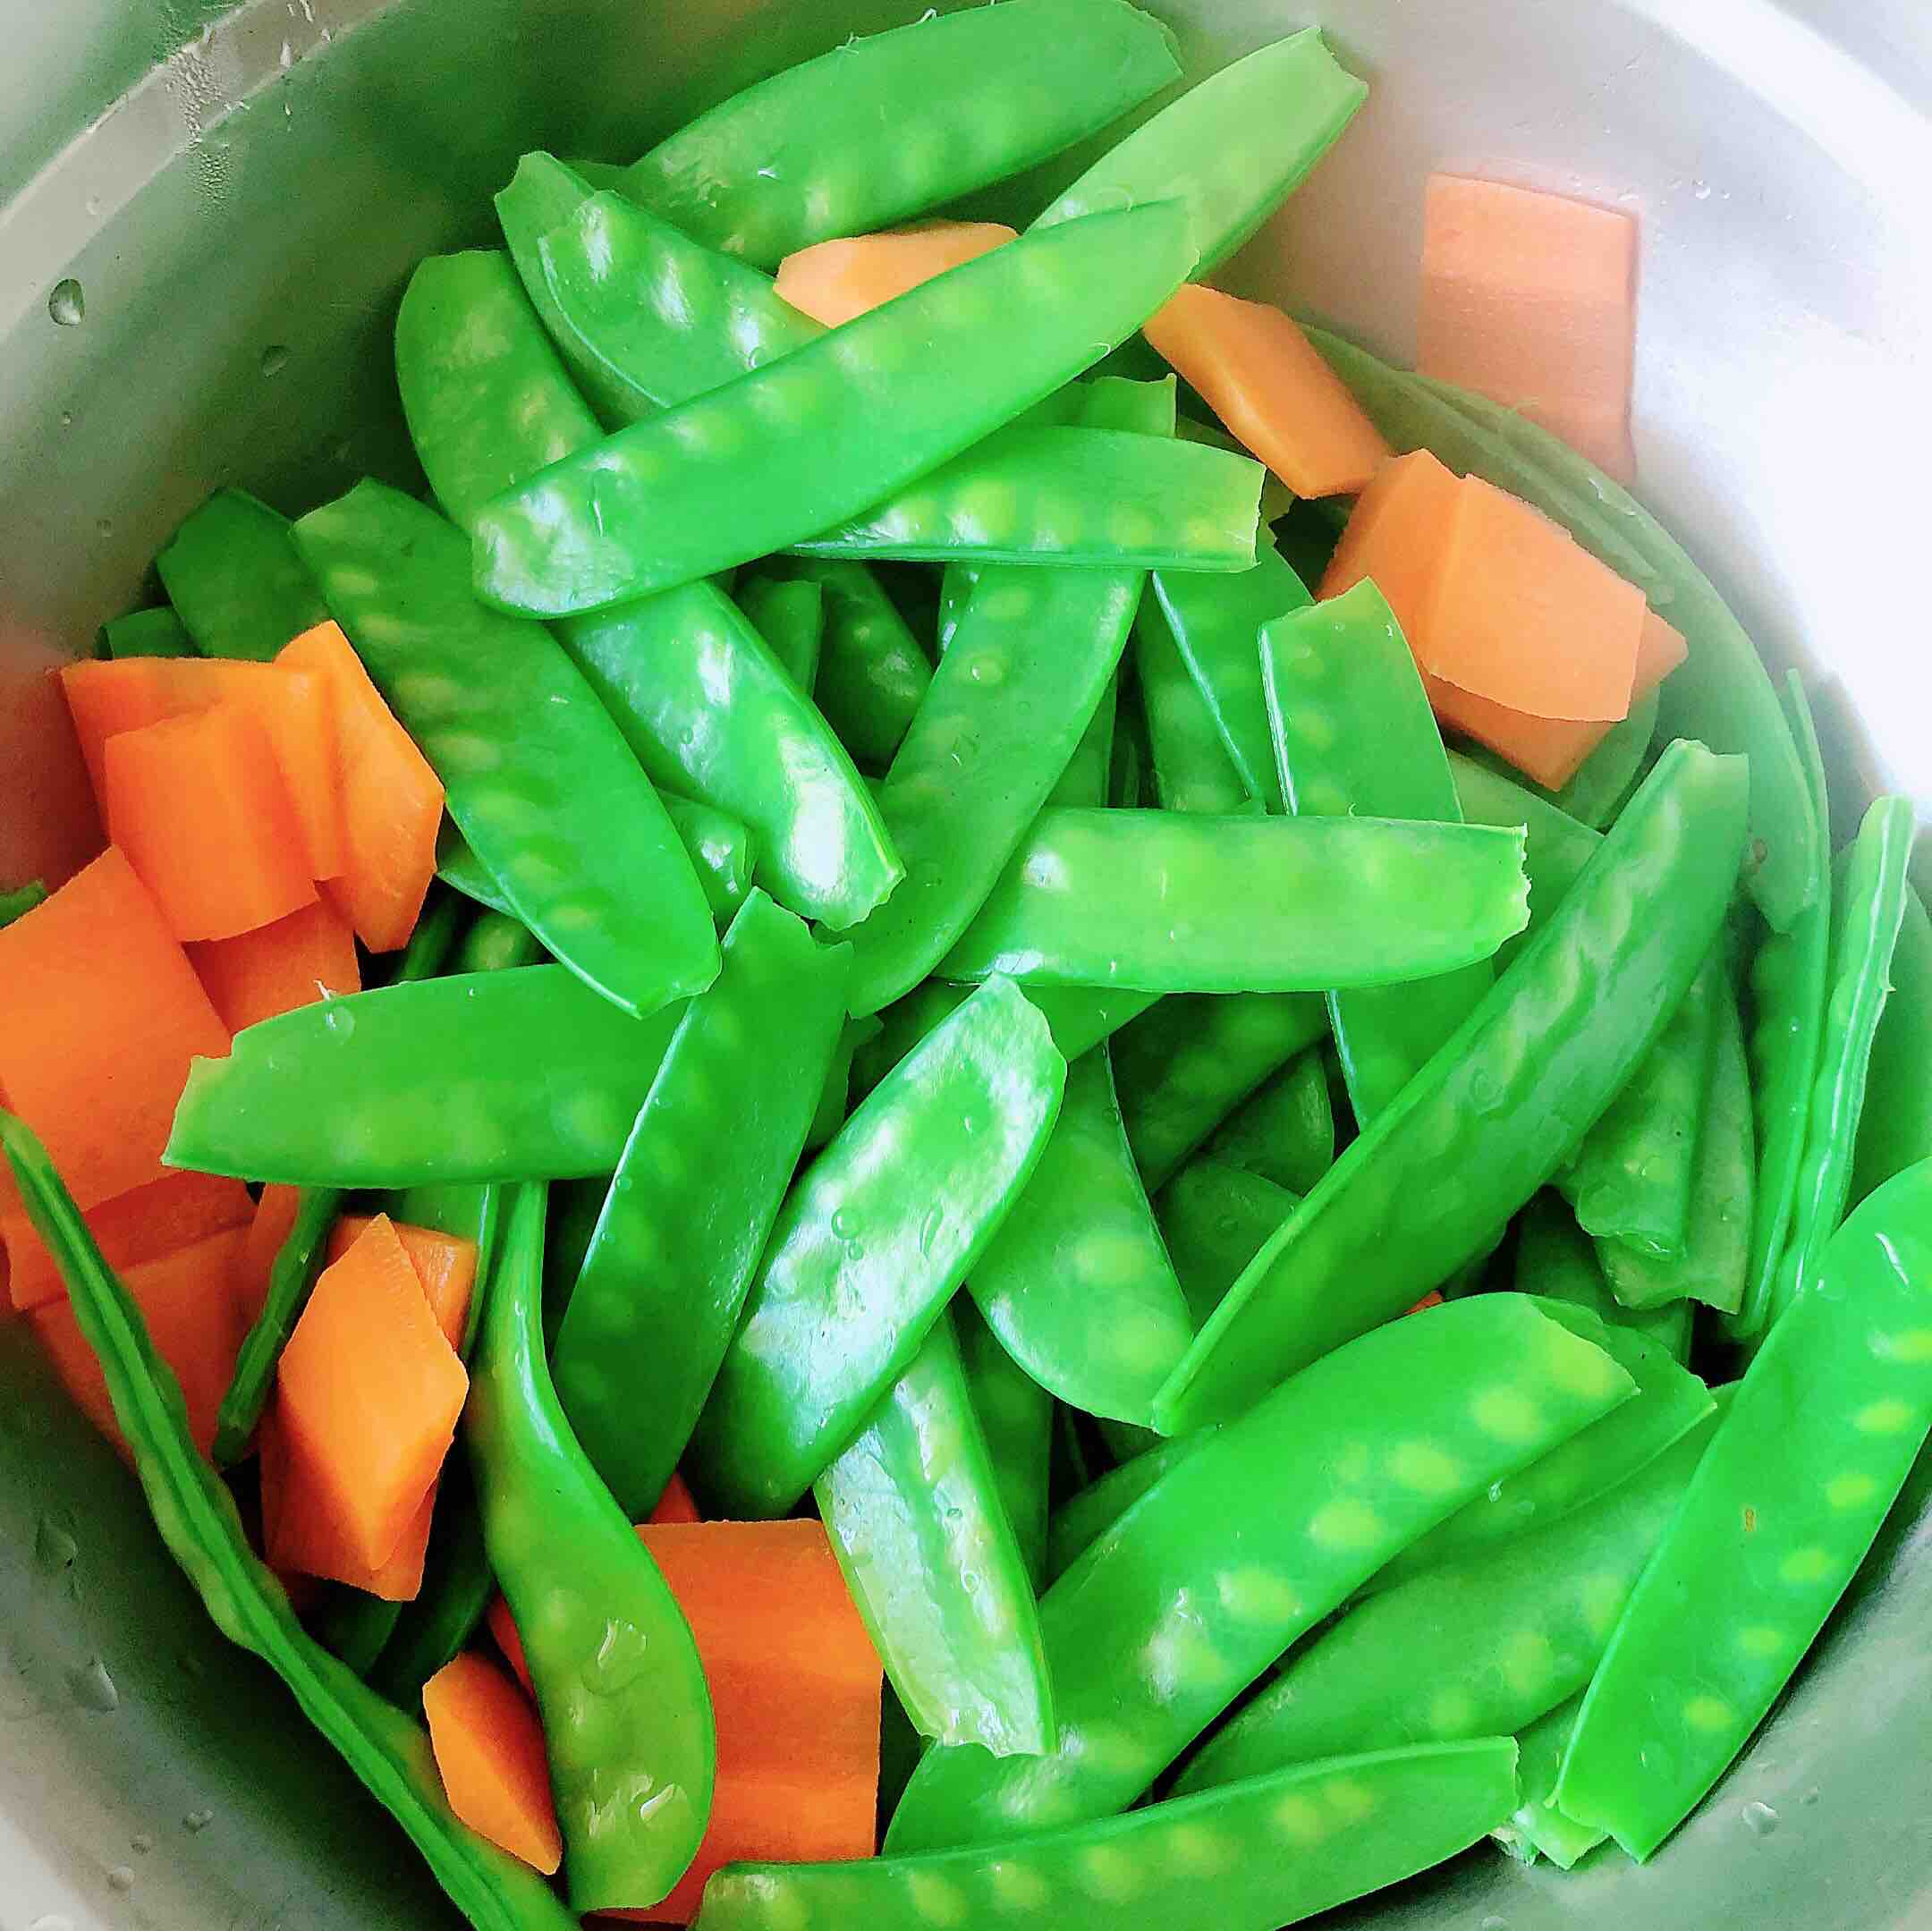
<point>1530,299</point>
<point>303,1534</point>
<point>834,281</point>
<point>677,1504</point>
<point>276,968</point>
<point>489,1753</point>
<point>273,1223</point>
<point>367,1393</point>
<point>1396,534</point>
<point>200,808</point>
<point>392,802</point>
<point>1433,1299</point>
<point>1264,380</point>
<point>145,1224</point>
<point>444,1263</point>
<point>1660,650</point>
<point>100,1014</point>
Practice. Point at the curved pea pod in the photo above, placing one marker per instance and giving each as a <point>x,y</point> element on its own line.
<point>1475,1647</point>
<point>539,779</point>
<point>1492,1114</point>
<point>1721,695</point>
<point>235,579</point>
<point>869,1247</point>
<point>1537,1827</point>
<point>915,1518</point>
<point>1895,1127</point>
<point>1352,733</point>
<point>1079,1520</point>
<point>797,446</point>
<point>1603,780</point>
<point>1216,1218</point>
<point>1077,1283</point>
<point>835,1096</point>
<point>626,1712</point>
<point>197,1519</point>
<point>1286,1131</point>
<point>1557,847</point>
<point>1192,771</point>
<point>482,1076</point>
<point>871,671</point>
<point>1554,1260</point>
<point>1813,1450</point>
<point>1251,1540</point>
<point>1016,1417</point>
<point>789,617</point>
<point>1250,1858</point>
<point>702,1176</point>
<point>1245,904</point>
<point>1232,148</point>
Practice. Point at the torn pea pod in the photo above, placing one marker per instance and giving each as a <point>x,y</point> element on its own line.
<point>1537,1827</point>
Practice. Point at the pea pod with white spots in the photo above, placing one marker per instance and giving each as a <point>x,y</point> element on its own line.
<point>1814,1448</point>
<point>1555,1258</point>
<point>1216,1218</point>
<point>1076,1523</point>
<point>1251,1539</point>
<point>1557,849</point>
<point>1285,1131</point>
<point>871,671</point>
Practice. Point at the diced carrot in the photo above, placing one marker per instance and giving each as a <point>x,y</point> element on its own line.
<point>274,1221</point>
<point>676,1505</point>
<point>1660,650</point>
<point>489,1753</point>
<point>295,707</point>
<point>1528,299</point>
<point>276,968</point>
<point>304,1535</point>
<point>1266,381</point>
<point>392,802</point>
<point>200,808</point>
<point>1396,534</point>
<point>834,281</point>
<point>1433,1299</point>
<point>100,1014</point>
<point>369,1392</point>
<point>144,1223</point>
<point>444,1263</point>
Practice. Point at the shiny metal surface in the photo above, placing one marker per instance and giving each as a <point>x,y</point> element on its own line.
<point>266,187</point>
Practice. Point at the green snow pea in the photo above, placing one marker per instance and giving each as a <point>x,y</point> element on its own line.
<point>1308,533</point>
<point>1184,1067</point>
<point>1077,1283</point>
<point>957,582</point>
<point>353,1626</point>
<point>1603,780</point>
<point>1493,1112</point>
<point>1016,1416</point>
<point>1084,782</point>
<point>789,617</point>
<point>1469,1649</point>
<point>1815,1446</point>
<point>197,1518</point>
<point>1251,1540</point>
<point>147,633</point>
<point>1895,1127</point>
<point>1249,1858</point>
<point>871,671</point>
<point>1244,903</point>
<point>1192,771</point>
<point>458,1583</point>
<point>539,779</point>
<point>1277,498</point>
<point>1352,733</point>
<point>723,851</point>
<point>1232,148</point>
<point>1076,1523</point>
<point>915,1515</point>
<point>1557,846</point>
<point>1075,1460</point>
<point>1286,1131</point>
<point>864,1254</point>
<point>795,447</point>
<point>700,1182</point>
<point>1555,1259</point>
<point>1130,775</point>
<point>626,1712</point>
<point>1216,1218</point>
<point>1537,1826</point>
<point>834,1097</point>
<point>235,580</point>
<point>21,901</point>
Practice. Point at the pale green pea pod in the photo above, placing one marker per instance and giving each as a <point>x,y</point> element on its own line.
<point>1556,847</point>
<point>1192,771</point>
<point>1555,1259</point>
<point>1286,1131</point>
<point>1016,1416</point>
<point>871,672</point>
<point>1216,1218</point>
<point>790,617</point>
<point>1538,1828</point>
<point>1079,1520</point>
<point>1603,780</point>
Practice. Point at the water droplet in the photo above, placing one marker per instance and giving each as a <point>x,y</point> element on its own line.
<point>854,1251</point>
<point>141,1843</point>
<point>1759,1820</point>
<point>274,359</point>
<point>68,303</point>
<point>1702,189</point>
<point>621,1658</point>
<point>66,419</point>
<point>841,1222</point>
<point>341,1021</point>
<point>94,206</point>
<point>121,1877</point>
<point>103,526</point>
<point>1810,1796</point>
<point>197,1821</point>
<point>92,1687</point>
<point>930,1229</point>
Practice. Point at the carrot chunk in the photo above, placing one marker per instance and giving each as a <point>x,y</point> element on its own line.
<point>276,968</point>
<point>1396,534</point>
<point>489,1753</point>
<point>834,281</point>
<point>273,1223</point>
<point>444,1263</point>
<point>305,1534</point>
<point>676,1505</point>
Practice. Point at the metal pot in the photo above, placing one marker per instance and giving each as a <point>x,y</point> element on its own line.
<point>237,198</point>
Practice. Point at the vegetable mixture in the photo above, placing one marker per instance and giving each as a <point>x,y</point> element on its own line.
<point>992,1090</point>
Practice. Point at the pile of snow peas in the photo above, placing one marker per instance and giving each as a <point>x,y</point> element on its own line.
<point>922,836</point>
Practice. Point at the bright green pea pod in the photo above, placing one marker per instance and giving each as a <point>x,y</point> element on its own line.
<point>1016,1415</point>
<point>487,1076</point>
<point>1285,1131</point>
<point>1537,1826</point>
<point>1131,776</point>
<point>917,1520</point>
<point>1428,1185</point>
<point>1076,1523</point>
<point>870,1245</point>
<point>789,617</point>
<point>1895,1127</point>
<point>147,633</point>
<point>1077,1283</point>
<point>1251,1540</point>
<point>797,446</point>
<point>235,580</point>
<point>871,672</point>
<point>1216,1218</point>
<point>1186,1065</point>
<point>1084,782</point>
<point>1473,1648</point>
<point>626,1712</point>
<point>1557,848</point>
<point>957,582</point>
<point>1814,1448</point>
<point>21,901</point>
<point>1244,903</point>
<point>828,149</point>
<point>1555,1259</point>
<point>834,1097</point>
<point>457,1586</point>
<point>1277,498</point>
<point>1232,148</point>
<point>197,1519</point>
<point>1353,734</point>
<point>1603,780</point>
<point>694,1196</point>
<point>1270,1852</point>
<point>1721,695</point>
<point>354,1626</point>
<point>1192,771</point>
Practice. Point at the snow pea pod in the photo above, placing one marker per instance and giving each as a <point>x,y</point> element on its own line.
<point>1812,1451</point>
<point>1603,780</point>
<point>1352,733</point>
<point>1493,1114</point>
<point>1285,1132</point>
<point>539,780</point>
<point>197,1518</point>
<point>824,149</point>
<point>871,672</point>
<point>1245,904</point>
<point>1016,1417</point>
<point>915,1518</point>
<point>1557,846</point>
<point>1277,498</point>
<point>1249,1858</point>
<point>1076,1523</point>
<point>1536,1825</point>
<point>1251,1540</point>
<point>1216,1218</point>
<point>660,1288</point>
<point>235,579</point>
<point>626,1711</point>
<point>862,1257</point>
<point>1554,1260</point>
<point>1895,1127</point>
<point>1077,1283</point>
<point>834,1097</point>
<point>21,901</point>
<point>487,1076</point>
<point>1192,771</point>
<point>147,633</point>
<point>1232,148</point>
<point>1084,782</point>
<point>789,617</point>
<point>457,1586</point>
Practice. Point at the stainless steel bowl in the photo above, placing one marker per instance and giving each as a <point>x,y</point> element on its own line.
<point>239,196</point>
